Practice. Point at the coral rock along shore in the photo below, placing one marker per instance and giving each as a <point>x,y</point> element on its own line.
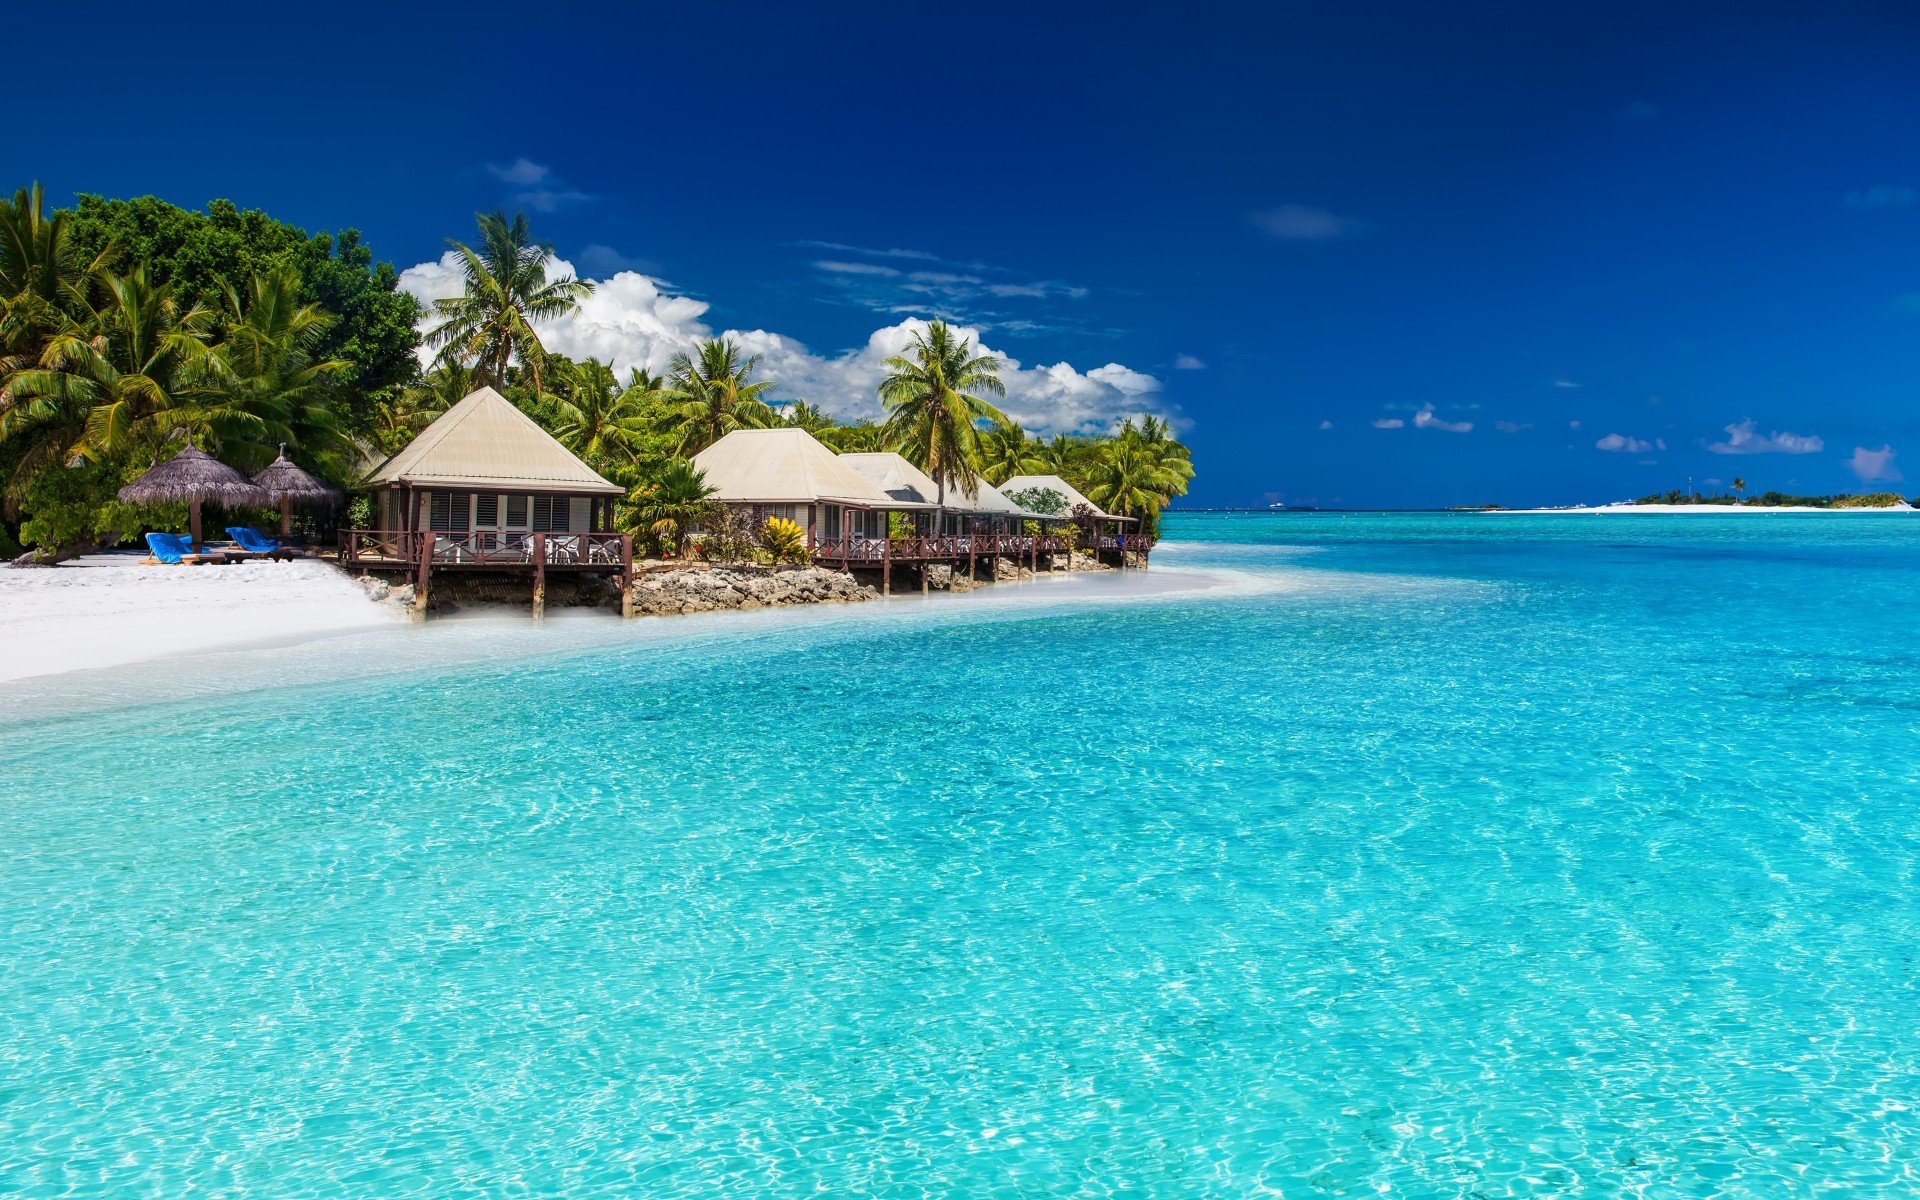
<point>663,593</point>
<point>660,591</point>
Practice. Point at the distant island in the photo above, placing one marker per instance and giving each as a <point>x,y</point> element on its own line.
<point>1681,502</point>
<point>1777,500</point>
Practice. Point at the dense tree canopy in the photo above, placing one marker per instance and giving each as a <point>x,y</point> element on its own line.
<point>202,254</point>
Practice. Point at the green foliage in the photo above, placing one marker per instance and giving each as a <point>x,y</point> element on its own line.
<point>712,393</point>
<point>200,255</point>
<point>672,507</point>
<point>861,437</point>
<point>1870,500</point>
<point>785,541</point>
<point>70,510</point>
<point>1007,451</point>
<point>1778,500</point>
<point>933,413</point>
<point>728,535</point>
<point>129,328</point>
<point>615,428</point>
<point>489,326</point>
<point>1043,500</point>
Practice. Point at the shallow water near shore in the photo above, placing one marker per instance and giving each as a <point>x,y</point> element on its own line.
<point>1337,855</point>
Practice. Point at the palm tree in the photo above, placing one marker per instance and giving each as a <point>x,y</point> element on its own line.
<point>400,418</point>
<point>810,417</point>
<point>1006,451</point>
<point>490,326</point>
<point>129,371</point>
<point>1064,455</point>
<point>933,415</point>
<point>267,388</point>
<point>598,419</point>
<point>1127,478</point>
<point>1154,436</point>
<point>43,278</point>
<point>714,393</point>
<point>673,504</point>
<point>1739,484</point>
<point>861,437</point>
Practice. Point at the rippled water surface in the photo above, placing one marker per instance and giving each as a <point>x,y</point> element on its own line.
<point>1437,856</point>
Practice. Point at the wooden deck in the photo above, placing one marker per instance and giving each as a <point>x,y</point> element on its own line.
<point>398,550</point>
<point>960,547</point>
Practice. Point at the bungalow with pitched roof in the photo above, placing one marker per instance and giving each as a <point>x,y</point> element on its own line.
<point>484,488</point>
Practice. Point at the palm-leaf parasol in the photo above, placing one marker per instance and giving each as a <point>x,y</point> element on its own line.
<point>195,477</point>
<point>287,483</point>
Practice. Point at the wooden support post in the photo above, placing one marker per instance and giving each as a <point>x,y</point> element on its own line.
<point>539,576</point>
<point>425,574</point>
<point>926,569</point>
<point>886,567</point>
<point>626,575</point>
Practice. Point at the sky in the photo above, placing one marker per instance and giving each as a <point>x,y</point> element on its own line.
<point>1365,255</point>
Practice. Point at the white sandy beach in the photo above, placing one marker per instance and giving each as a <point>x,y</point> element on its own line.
<point>109,632</point>
<point>108,609</point>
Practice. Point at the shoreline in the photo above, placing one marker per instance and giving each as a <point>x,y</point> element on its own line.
<point>1688,510</point>
<point>108,610</point>
<point>102,641</point>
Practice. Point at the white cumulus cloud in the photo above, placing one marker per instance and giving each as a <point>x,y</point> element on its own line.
<point>1620,444</point>
<point>1741,439</point>
<point>1187,362</point>
<point>1425,419</point>
<point>1389,423</point>
<point>523,171</point>
<point>630,321</point>
<point>1874,465</point>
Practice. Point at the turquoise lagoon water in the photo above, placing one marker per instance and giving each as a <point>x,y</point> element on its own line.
<point>1432,856</point>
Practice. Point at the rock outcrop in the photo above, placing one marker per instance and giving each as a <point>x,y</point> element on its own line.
<point>665,593</point>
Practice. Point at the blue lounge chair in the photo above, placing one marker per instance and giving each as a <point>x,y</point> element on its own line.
<point>252,540</point>
<point>172,548</point>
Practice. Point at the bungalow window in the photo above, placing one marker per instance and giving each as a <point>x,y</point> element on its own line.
<point>550,514</point>
<point>486,511</point>
<point>444,515</point>
<point>516,512</point>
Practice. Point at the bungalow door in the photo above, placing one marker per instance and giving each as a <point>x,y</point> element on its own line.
<point>516,522</point>
<point>487,514</point>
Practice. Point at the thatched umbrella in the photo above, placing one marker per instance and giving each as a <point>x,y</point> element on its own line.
<point>287,483</point>
<point>194,477</point>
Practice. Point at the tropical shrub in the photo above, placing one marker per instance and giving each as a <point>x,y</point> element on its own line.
<point>785,541</point>
<point>1043,500</point>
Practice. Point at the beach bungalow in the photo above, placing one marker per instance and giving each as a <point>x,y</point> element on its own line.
<point>958,511</point>
<point>787,473</point>
<point>484,488</point>
<point>1111,539</point>
<point>845,502</point>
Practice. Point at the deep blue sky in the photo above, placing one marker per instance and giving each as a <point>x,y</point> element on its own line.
<point>1697,218</point>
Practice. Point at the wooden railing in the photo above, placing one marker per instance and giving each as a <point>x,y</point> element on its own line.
<point>956,546</point>
<point>485,549</point>
<point>376,547</point>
